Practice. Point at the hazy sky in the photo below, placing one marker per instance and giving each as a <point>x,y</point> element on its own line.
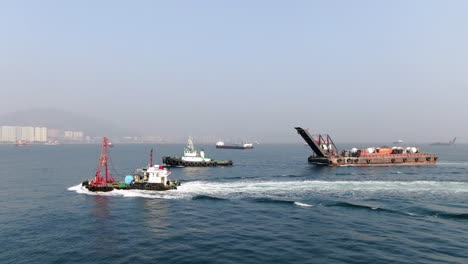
<point>360,70</point>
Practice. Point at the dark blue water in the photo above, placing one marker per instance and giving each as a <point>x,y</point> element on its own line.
<point>271,207</point>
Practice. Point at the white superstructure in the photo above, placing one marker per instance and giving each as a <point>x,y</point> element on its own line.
<point>192,155</point>
<point>158,174</point>
<point>154,174</point>
<point>248,145</point>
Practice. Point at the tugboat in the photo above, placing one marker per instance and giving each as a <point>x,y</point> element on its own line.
<point>101,183</point>
<point>326,153</point>
<point>153,177</point>
<point>194,158</point>
<point>222,145</point>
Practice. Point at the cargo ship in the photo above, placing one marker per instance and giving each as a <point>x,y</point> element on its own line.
<point>153,177</point>
<point>451,142</point>
<point>193,158</point>
<point>325,153</point>
<point>222,145</point>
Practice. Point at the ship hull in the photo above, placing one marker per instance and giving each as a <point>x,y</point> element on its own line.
<point>373,160</point>
<point>98,187</point>
<point>233,147</point>
<point>134,186</point>
<point>150,186</point>
<point>178,162</point>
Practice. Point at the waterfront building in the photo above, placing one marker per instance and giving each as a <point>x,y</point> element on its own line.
<point>40,134</point>
<point>8,134</point>
<point>25,134</point>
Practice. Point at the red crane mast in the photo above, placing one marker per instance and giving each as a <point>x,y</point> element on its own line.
<point>103,161</point>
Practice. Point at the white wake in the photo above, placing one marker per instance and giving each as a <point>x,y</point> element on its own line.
<point>285,189</point>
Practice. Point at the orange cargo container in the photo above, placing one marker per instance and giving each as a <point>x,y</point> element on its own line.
<point>385,151</point>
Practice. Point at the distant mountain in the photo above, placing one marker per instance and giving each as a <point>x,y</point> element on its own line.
<point>63,120</point>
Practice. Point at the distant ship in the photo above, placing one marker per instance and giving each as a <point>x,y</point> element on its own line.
<point>21,143</point>
<point>399,141</point>
<point>451,142</point>
<point>222,145</point>
<point>52,143</point>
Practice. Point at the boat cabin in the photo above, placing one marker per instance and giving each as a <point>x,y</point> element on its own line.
<point>154,174</point>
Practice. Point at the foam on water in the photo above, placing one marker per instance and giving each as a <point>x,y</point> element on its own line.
<point>274,189</point>
<point>302,204</point>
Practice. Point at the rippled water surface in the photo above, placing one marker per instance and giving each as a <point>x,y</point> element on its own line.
<point>271,206</point>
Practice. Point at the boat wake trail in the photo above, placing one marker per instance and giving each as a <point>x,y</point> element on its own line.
<point>360,207</point>
<point>290,191</point>
<point>416,212</point>
<point>302,204</point>
<point>463,164</point>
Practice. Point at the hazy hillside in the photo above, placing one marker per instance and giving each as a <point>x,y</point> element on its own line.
<point>60,119</point>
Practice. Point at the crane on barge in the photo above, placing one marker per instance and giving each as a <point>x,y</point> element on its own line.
<point>102,183</point>
<point>326,153</point>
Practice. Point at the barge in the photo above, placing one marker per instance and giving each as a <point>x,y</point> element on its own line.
<point>193,158</point>
<point>325,153</point>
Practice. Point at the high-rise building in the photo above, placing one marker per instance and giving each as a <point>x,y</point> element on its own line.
<point>54,133</point>
<point>25,133</point>
<point>40,134</point>
<point>68,135</point>
<point>8,134</point>
<point>74,135</point>
<point>78,135</point>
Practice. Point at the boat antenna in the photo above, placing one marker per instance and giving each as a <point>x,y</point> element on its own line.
<point>151,158</point>
<point>103,161</point>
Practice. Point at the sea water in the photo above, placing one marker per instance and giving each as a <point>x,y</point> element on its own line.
<point>271,206</point>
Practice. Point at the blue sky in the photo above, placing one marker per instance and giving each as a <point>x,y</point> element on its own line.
<point>360,70</point>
